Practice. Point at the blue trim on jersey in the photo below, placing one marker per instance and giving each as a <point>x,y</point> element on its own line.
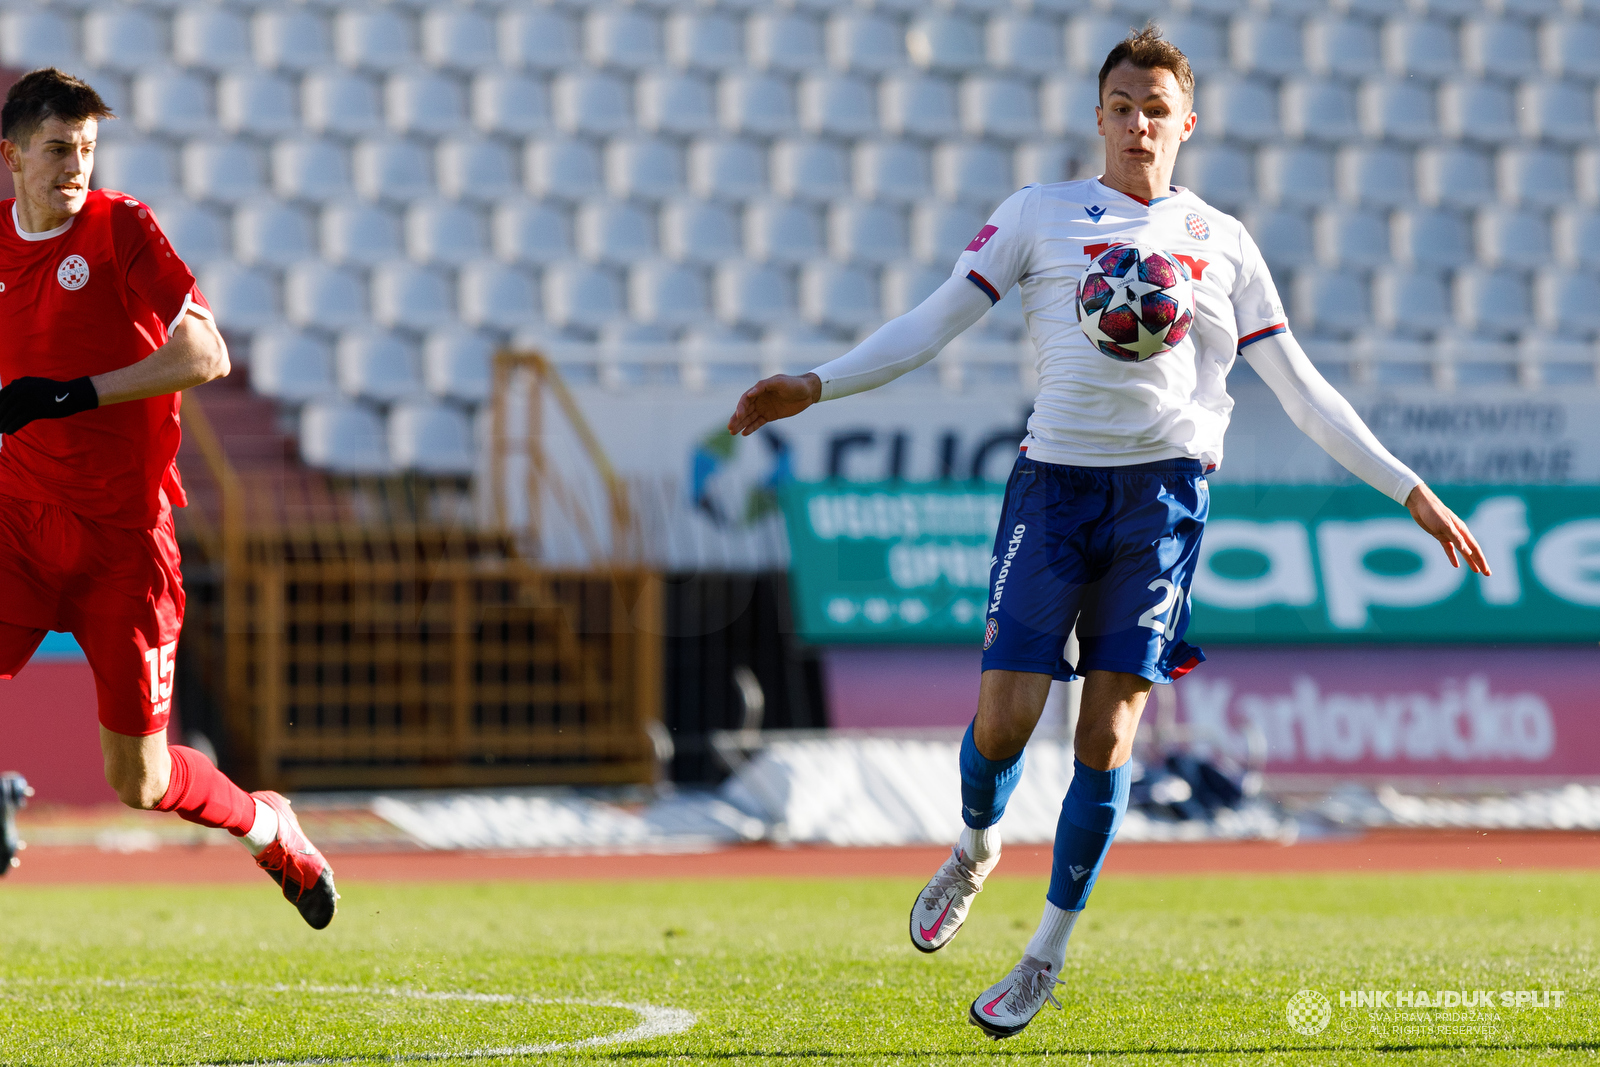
<point>983,283</point>
<point>1270,331</point>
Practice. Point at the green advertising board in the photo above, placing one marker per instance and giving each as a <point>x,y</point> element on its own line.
<point>908,563</point>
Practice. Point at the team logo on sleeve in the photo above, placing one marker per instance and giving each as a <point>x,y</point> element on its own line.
<point>1199,228</point>
<point>73,273</point>
<point>983,238</point>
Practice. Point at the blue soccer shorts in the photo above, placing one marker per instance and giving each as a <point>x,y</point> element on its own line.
<point>1111,550</point>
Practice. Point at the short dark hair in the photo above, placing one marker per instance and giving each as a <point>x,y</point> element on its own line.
<point>1148,50</point>
<point>45,93</point>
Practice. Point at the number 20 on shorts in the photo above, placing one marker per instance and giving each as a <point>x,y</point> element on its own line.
<point>1170,604</point>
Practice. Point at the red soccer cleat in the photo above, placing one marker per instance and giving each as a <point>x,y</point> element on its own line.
<point>296,865</point>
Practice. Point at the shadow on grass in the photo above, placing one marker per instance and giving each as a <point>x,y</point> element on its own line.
<point>802,1054</point>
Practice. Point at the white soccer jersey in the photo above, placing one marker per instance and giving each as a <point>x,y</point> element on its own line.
<point>1093,410</point>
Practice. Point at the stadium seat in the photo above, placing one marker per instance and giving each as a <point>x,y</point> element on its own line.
<point>1243,109</point>
<point>700,231</point>
<point>360,233</point>
<point>457,362</point>
<point>432,438</point>
<point>258,103</point>
<point>841,296</point>
<point>1297,175</point>
<point>752,294</point>
<point>783,231</point>
<point>784,41</point>
<point>1378,177</point>
<point>1560,111</point>
<point>424,102</point>
<point>1568,302</point>
<point>838,105</point>
<point>976,171</point>
<point>444,232</point>
<point>377,365</point>
<point>1046,162</point>
<point>243,298</point>
<point>644,167</point>
<point>272,233</point>
<point>865,42</point>
<point>497,296</point>
<point>199,234</point>
<point>625,38</point>
<point>1272,45</point>
<point>229,171</point>
<point>1320,109</point>
<point>1433,238</point>
<point>582,295</point>
<point>946,42</point>
<point>1478,111</point>
<point>122,38</point>
<point>392,168</point>
<point>676,103</point>
<point>1218,174</point>
<point>730,169</point>
<point>866,232</point>
<point>939,231</point>
<point>1421,46</point>
<point>37,38</point>
<point>1513,237</point>
<point>1537,176</point>
<point>564,168</point>
<point>1495,302</point>
<point>591,104</point>
<point>293,38</point>
<point>1004,321</point>
<point>173,102</point>
<point>1571,48</point>
<point>905,285</point>
<point>344,437</point>
<point>918,105</point>
<point>1499,48</point>
<point>212,37</point>
<point>291,365</point>
<point>667,293</point>
<point>1026,44</point>
<point>476,168</point>
<point>531,231</point>
<point>808,169</point>
<point>538,38</point>
<point>758,104</point>
<point>340,102</point>
<point>324,297</point>
<point>458,38</point>
<point>1006,108</point>
<point>704,40</point>
<point>1455,177</point>
<point>512,104</point>
<point>1399,109</point>
<point>1284,237</point>
<point>145,169</point>
<point>614,231</point>
<point>1066,105</point>
<point>408,296</point>
<point>1330,302</point>
<point>1412,303</point>
<point>373,38</point>
<point>1577,236</point>
<point>1204,42</point>
<point>310,168</point>
<point>1344,47</point>
<point>899,171</point>
<point>1353,238</point>
<point>1089,38</point>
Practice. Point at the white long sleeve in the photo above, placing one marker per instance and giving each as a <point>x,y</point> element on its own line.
<point>905,343</point>
<point>1327,417</point>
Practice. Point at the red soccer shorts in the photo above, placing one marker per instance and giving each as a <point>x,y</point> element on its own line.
<point>117,591</point>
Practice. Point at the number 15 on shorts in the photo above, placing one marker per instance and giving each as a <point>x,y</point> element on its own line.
<point>159,660</point>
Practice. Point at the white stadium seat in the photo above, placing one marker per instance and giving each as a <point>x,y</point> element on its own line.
<point>1481,111</point>
<point>480,169</point>
<point>939,230</point>
<point>948,43</point>
<point>753,294</point>
<point>1571,47</point>
<point>1046,162</point>
<point>173,102</point>
<point>1297,175</point>
<point>614,231</point>
<point>272,233</point>
<point>1244,109</point>
<point>512,104</point>
<point>838,105</point>
<point>1331,302</point>
<point>1026,44</point>
<point>758,104</point>
<point>591,104</point>
<point>567,169</point>
<point>457,363</point>
<point>700,231</point>
<point>704,40</point>
<point>648,168</point>
<point>373,38</point>
<point>905,285</point>
<point>1344,47</point>
<point>1494,301</point>
<point>1456,177</point>
<point>432,438</point>
<point>866,42</point>
<point>408,296</point>
<point>1218,174</point>
<point>978,171</point>
<point>667,293</point>
<point>1320,109</point>
<point>1428,47</point>
<point>392,168</point>
<point>1568,302</point>
<point>531,231</point>
<point>1399,109</point>
<point>1204,42</point>
<point>1500,48</point>
<point>810,169</point>
<point>1513,237</point>
<point>425,102</point>
<point>444,232</point>
<point>784,231</point>
<point>497,296</point>
<point>1353,238</point>
<point>623,37</point>
<point>344,437</point>
<point>1270,45</point>
<point>1560,111</point>
<point>1577,236</point>
<point>1090,37</point>
<point>145,169</point>
<point>212,37</point>
<point>37,38</point>
<point>229,171</point>
<point>1067,105</point>
<point>582,295</point>
<point>291,365</point>
<point>1380,177</point>
<point>341,102</point>
<point>243,298</point>
<point>834,294</point>
<point>730,169</point>
<point>259,103</point>
<point>324,297</point>
<point>1284,237</point>
<point>198,233</point>
<point>538,38</point>
<point>361,233</point>
<point>784,41</point>
<point>866,232</point>
<point>1006,108</point>
<point>122,38</point>
<point>919,105</point>
<point>900,171</point>
<point>1433,237</point>
<point>458,38</point>
<point>676,103</point>
<point>293,38</point>
<point>310,168</point>
<point>1413,303</point>
<point>1538,176</point>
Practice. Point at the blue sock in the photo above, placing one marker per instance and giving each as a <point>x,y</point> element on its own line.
<point>1095,804</point>
<point>986,784</point>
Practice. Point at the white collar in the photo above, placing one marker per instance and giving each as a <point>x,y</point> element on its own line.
<point>46,235</point>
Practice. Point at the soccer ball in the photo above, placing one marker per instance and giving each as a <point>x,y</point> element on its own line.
<point>1135,302</point>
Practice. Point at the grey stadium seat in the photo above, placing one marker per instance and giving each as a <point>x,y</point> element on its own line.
<point>759,104</point>
<point>373,38</point>
<point>700,231</point>
<point>919,105</point>
<point>1428,47</point>
<point>677,103</point>
<point>1090,37</point>
<point>1270,45</point>
<point>1572,47</point>
<point>1320,109</point>
<point>1577,233</point>
<point>1500,48</point>
<point>445,232</point>
<point>244,298</point>
<point>1433,237</point>
<point>1381,177</point>
<point>378,365</point>
<point>392,168</point>
<point>457,362</point>
<point>784,41</point>
<point>1006,108</point>
<point>784,231</point>
<point>905,285</point>
<point>213,37</point>
<point>344,437</point>
<point>1353,238</point>
<point>667,293</point>
<point>1335,302</point>
<point>431,438</point>
<point>259,103</point>
<point>145,169</point>
<point>341,102</point>
<point>563,168</point>
<point>1494,301</point>
<point>704,40</point>
<point>199,233</point>
<point>1204,42</point>
<point>538,38</point>
<point>272,233</point>
<point>408,296</point>
<point>1514,237</point>
<point>531,231</point>
<point>1399,109</point>
<point>731,169</point>
<point>948,43</point>
<point>362,233</point>
<point>292,38</point>
<point>839,295</point>
<point>1539,176</point>
<point>512,104</point>
<point>497,296</point>
<point>866,232</point>
<point>1561,111</point>
<point>458,39</point>
<point>753,294</point>
<point>865,42</point>
<point>291,365</point>
<point>173,102</point>
<point>116,37</point>
<point>939,231</point>
<point>1244,109</point>
<point>424,102</point>
<point>229,171</point>
<point>582,295</point>
<point>622,37</point>
<point>649,168</point>
<point>1480,111</point>
<point>838,105</point>
<point>1046,162</point>
<point>1067,105</point>
<point>37,38</point>
<point>480,169</point>
<point>900,171</point>
<point>310,168</point>
<point>1218,174</point>
<point>1413,303</point>
<point>1297,175</point>
<point>1026,44</point>
<point>1344,47</point>
<point>810,169</point>
<point>326,297</point>
<point>591,104</point>
<point>978,171</point>
<point>1284,237</point>
<point>1456,177</point>
<point>614,231</point>
<point>1568,302</point>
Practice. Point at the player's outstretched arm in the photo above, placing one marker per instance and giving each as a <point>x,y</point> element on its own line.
<point>193,355</point>
<point>1328,419</point>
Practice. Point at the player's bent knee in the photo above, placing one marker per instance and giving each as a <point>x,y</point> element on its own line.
<point>136,789</point>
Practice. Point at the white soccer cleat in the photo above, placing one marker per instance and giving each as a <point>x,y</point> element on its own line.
<point>942,905</point>
<point>1009,1005</point>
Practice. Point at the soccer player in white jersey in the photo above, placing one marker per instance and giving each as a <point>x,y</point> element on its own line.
<point>1104,510</point>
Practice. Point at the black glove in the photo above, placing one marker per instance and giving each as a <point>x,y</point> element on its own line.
<point>26,399</point>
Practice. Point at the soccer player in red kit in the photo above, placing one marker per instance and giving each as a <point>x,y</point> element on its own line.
<point>101,327</point>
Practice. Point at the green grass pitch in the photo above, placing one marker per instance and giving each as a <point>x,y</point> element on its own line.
<point>1161,971</point>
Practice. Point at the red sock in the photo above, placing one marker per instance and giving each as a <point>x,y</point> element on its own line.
<point>200,793</point>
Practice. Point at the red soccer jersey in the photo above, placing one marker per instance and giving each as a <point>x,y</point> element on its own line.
<point>94,295</point>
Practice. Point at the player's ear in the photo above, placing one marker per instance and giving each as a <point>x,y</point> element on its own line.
<point>1188,126</point>
<point>1099,120</point>
<point>13,154</point>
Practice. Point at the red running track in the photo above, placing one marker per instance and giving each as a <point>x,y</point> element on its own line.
<point>1384,850</point>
